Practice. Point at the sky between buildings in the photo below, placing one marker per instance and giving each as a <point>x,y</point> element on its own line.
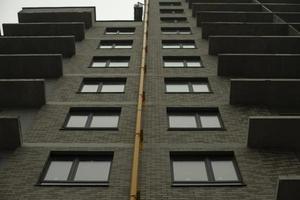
<point>106,9</point>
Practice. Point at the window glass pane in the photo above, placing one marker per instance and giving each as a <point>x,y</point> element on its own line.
<point>110,33</point>
<point>224,171</point>
<point>126,33</point>
<point>173,64</point>
<point>113,88</point>
<point>200,87</point>
<point>188,46</point>
<point>123,46</point>
<point>184,32</point>
<point>170,32</point>
<point>193,64</point>
<point>210,122</point>
<point>177,88</point>
<point>99,64</point>
<point>77,121</point>
<point>171,46</point>
<point>89,88</point>
<point>105,121</point>
<point>189,171</point>
<point>92,171</point>
<point>118,64</point>
<point>102,46</point>
<point>58,171</point>
<point>182,121</point>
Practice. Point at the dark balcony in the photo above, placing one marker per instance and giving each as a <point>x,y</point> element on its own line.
<point>46,29</point>
<point>22,93</point>
<point>10,133</point>
<point>274,132</point>
<point>59,14</point>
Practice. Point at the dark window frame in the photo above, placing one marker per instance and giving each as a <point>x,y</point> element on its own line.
<point>197,112</point>
<point>175,30</point>
<point>189,82</point>
<point>118,30</point>
<point>114,43</point>
<point>101,82</point>
<point>171,11</point>
<point>170,3</point>
<point>180,43</point>
<point>207,157</point>
<point>90,112</point>
<point>182,59</point>
<point>173,20</point>
<point>75,157</point>
<point>108,60</point>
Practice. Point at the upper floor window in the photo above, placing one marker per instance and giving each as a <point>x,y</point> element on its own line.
<point>204,168</point>
<point>116,44</point>
<point>173,19</point>
<point>187,85</point>
<point>178,44</point>
<point>170,3</point>
<point>119,31</point>
<point>171,11</point>
<point>194,118</point>
<point>176,30</point>
<point>181,62</point>
<point>77,168</point>
<point>112,61</point>
<point>92,118</point>
<point>103,85</point>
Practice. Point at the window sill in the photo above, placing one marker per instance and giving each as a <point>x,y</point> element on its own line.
<point>89,129</point>
<point>100,92</point>
<point>78,184</point>
<point>238,184</point>
<point>188,92</point>
<point>196,129</point>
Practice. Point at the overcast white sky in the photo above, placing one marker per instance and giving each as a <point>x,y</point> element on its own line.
<point>106,9</point>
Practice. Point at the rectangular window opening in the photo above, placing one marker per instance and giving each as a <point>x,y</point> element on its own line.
<point>204,168</point>
<point>110,62</point>
<point>119,31</point>
<point>194,119</point>
<point>80,118</point>
<point>173,19</point>
<point>182,62</point>
<point>178,44</point>
<point>115,44</point>
<point>187,85</point>
<point>176,30</point>
<point>102,85</point>
<point>77,169</point>
<point>170,3</point>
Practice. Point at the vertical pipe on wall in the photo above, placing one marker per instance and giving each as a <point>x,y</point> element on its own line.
<point>138,127</point>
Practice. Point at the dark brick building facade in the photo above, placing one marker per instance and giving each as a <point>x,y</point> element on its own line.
<point>250,79</point>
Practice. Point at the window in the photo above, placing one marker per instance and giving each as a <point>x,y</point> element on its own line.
<point>119,31</point>
<point>187,85</point>
<point>178,44</point>
<point>194,119</point>
<point>77,168</point>
<point>103,85</point>
<point>116,44</point>
<point>176,30</point>
<point>171,11</point>
<point>92,118</point>
<point>204,168</point>
<point>170,3</point>
<point>180,62</point>
<point>173,19</point>
<point>113,62</point>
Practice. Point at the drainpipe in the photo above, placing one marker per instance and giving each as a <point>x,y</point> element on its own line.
<point>138,127</point>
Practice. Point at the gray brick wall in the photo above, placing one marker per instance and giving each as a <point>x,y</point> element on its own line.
<point>20,170</point>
